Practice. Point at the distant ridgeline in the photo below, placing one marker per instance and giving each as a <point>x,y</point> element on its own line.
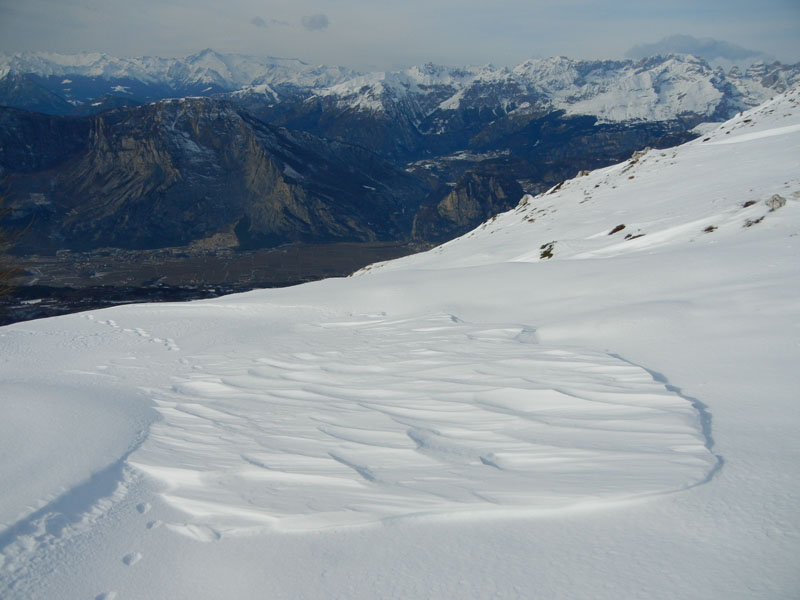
<point>239,152</point>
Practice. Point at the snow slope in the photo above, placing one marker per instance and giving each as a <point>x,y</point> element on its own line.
<point>541,408</point>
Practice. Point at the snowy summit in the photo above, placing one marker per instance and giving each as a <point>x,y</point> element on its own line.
<point>590,396</point>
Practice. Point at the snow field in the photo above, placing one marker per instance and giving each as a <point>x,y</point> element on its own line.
<point>428,416</point>
<point>628,407</point>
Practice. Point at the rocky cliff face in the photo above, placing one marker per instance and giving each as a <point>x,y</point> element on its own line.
<point>473,199</point>
<point>174,172</point>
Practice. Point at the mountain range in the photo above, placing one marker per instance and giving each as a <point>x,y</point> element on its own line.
<point>95,150</point>
<point>653,88</point>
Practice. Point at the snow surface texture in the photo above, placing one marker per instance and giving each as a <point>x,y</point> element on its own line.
<point>590,396</point>
<point>391,418</point>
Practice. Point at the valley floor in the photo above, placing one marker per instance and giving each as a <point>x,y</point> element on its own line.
<point>68,282</point>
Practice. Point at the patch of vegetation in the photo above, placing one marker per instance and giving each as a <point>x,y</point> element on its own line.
<point>748,203</point>
<point>616,229</point>
<point>546,250</point>
<point>710,228</point>
<point>751,222</point>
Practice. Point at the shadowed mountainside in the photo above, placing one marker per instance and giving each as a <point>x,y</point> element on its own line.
<point>175,172</point>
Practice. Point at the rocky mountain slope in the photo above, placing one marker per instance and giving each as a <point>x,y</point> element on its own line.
<point>179,171</point>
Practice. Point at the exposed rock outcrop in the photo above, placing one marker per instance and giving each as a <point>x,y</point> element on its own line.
<point>473,199</point>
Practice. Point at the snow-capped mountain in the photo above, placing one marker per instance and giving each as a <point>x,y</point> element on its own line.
<point>652,89</point>
<point>593,395</point>
<point>422,89</point>
<point>656,89</point>
<point>89,64</point>
<point>202,73</point>
<point>229,71</point>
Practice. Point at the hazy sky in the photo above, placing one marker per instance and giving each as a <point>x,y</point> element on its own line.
<point>379,34</point>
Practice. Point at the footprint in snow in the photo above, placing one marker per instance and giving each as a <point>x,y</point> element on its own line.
<point>131,559</point>
<point>168,343</point>
<point>144,507</point>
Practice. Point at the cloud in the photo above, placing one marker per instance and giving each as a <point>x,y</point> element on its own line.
<point>264,24</point>
<point>706,48</point>
<point>315,22</point>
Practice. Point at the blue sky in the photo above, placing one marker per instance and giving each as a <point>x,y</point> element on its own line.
<point>376,34</point>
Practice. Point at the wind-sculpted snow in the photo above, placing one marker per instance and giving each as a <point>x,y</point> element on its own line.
<point>364,420</point>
